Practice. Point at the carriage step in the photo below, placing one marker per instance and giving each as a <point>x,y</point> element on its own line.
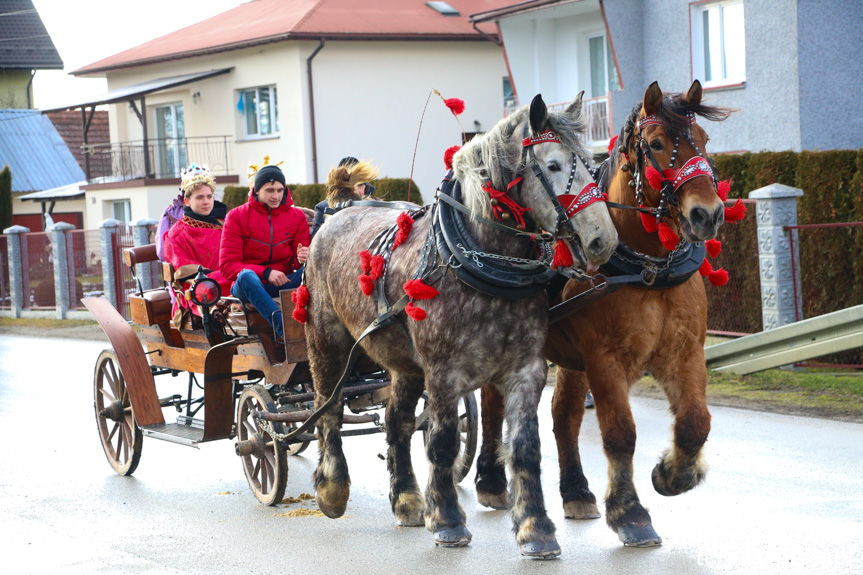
<point>175,433</point>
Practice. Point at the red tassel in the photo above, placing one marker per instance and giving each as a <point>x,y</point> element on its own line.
<point>416,313</point>
<point>300,314</point>
<point>648,221</point>
<point>562,255</point>
<point>668,238</point>
<point>417,289</point>
<point>705,268</point>
<point>455,105</point>
<point>377,267</point>
<point>654,178</point>
<point>300,296</point>
<point>365,261</point>
<point>448,156</point>
<point>367,284</point>
<point>736,212</point>
<point>718,277</point>
<point>405,224</point>
<point>714,247</point>
<point>611,143</point>
<point>723,188</point>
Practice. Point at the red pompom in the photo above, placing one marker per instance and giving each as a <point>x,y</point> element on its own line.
<point>455,105</point>
<point>562,255</point>
<point>416,313</point>
<point>365,261</point>
<point>723,188</point>
<point>648,221</point>
<point>611,144</point>
<point>367,284</point>
<point>417,289</point>
<point>654,178</point>
<point>300,296</point>
<point>668,238</point>
<point>377,266</point>
<point>405,224</point>
<point>300,314</point>
<point>448,156</point>
<point>705,268</point>
<point>718,277</point>
<point>736,212</point>
<point>714,247</point>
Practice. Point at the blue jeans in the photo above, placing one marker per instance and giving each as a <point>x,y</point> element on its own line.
<point>249,288</point>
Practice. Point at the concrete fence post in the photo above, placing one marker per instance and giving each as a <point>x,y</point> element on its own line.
<point>17,260</point>
<point>63,269</point>
<point>781,298</point>
<point>141,237</point>
<point>107,230</point>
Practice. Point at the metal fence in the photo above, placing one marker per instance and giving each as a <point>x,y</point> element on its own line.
<point>85,273</point>
<point>125,281</point>
<point>5,294</point>
<point>735,308</point>
<point>38,271</point>
<point>159,158</point>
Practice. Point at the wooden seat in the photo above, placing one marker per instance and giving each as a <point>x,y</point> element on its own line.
<point>151,308</point>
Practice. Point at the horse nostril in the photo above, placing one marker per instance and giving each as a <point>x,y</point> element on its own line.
<point>596,247</point>
<point>719,215</point>
<point>698,217</point>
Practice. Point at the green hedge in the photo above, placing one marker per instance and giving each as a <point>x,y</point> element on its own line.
<point>831,259</point>
<point>235,196</point>
<point>389,189</point>
<point>308,195</point>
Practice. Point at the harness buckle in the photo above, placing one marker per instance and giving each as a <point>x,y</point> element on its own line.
<point>601,286</point>
<point>648,276</point>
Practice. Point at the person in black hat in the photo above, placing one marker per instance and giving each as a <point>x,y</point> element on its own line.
<point>324,209</point>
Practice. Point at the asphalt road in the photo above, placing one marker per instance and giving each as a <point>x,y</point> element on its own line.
<point>784,495</point>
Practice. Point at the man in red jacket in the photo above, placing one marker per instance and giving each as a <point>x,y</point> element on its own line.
<point>264,245</point>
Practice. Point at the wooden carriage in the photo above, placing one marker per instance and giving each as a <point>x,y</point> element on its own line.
<point>255,390</point>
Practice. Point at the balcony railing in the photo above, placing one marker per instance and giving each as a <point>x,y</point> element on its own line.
<point>156,158</point>
<point>598,112</point>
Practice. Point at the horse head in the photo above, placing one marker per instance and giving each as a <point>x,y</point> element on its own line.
<point>672,167</point>
<point>530,170</point>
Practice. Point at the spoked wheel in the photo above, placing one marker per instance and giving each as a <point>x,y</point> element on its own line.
<point>121,437</point>
<point>264,461</point>
<point>467,434</point>
<point>296,448</point>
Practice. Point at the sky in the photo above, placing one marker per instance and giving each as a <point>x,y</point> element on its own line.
<point>85,31</point>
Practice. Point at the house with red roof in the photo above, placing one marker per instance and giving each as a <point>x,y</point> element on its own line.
<point>305,82</point>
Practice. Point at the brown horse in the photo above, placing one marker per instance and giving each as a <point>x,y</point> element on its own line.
<point>475,332</point>
<point>608,345</point>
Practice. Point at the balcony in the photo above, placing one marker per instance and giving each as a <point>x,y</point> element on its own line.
<point>598,112</point>
<point>155,158</point>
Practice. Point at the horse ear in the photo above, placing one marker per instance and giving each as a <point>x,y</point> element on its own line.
<point>538,114</point>
<point>693,95</point>
<point>652,99</point>
<point>574,109</point>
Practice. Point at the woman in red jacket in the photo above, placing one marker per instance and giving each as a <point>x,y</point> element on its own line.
<point>264,245</point>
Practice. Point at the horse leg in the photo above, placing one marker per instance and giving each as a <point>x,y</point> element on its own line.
<point>534,530</point>
<point>405,495</point>
<point>490,470</point>
<point>623,511</point>
<point>328,350</point>
<point>682,467</point>
<point>444,516</point>
<point>567,409</point>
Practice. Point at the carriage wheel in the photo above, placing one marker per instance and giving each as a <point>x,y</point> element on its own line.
<point>264,461</point>
<point>296,448</point>
<point>121,437</point>
<point>467,434</point>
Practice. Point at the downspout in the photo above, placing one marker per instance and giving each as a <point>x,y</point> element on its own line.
<point>29,84</point>
<point>312,111</point>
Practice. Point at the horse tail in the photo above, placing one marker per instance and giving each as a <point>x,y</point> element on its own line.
<point>342,179</point>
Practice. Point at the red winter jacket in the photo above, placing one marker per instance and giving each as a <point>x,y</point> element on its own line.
<point>257,238</point>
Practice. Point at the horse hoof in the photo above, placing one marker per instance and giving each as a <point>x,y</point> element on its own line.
<point>331,511</point>
<point>643,536</point>
<point>545,549</point>
<point>457,536</point>
<point>580,510</point>
<point>411,520</point>
<point>493,500</point>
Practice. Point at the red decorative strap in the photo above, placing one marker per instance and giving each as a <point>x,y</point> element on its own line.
<point>542,138</point>
<point>590,194</point>
<point>504,199</point>
<point>653,120</point>
<point>695,167</point>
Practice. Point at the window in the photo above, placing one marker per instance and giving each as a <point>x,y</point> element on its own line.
<point>260,110</point>
<point>718,43</point>
<point>509,103</point>
<point>170,140</point>
<point>603,73</point>
<point>122,210</point>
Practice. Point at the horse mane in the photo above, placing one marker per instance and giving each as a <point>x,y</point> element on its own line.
<point>342,179</point>
<point>493,155</point>
<point>673,112</point>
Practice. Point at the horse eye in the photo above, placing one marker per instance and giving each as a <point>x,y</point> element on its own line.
<point>656,145</point>
<point>553,167</point>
